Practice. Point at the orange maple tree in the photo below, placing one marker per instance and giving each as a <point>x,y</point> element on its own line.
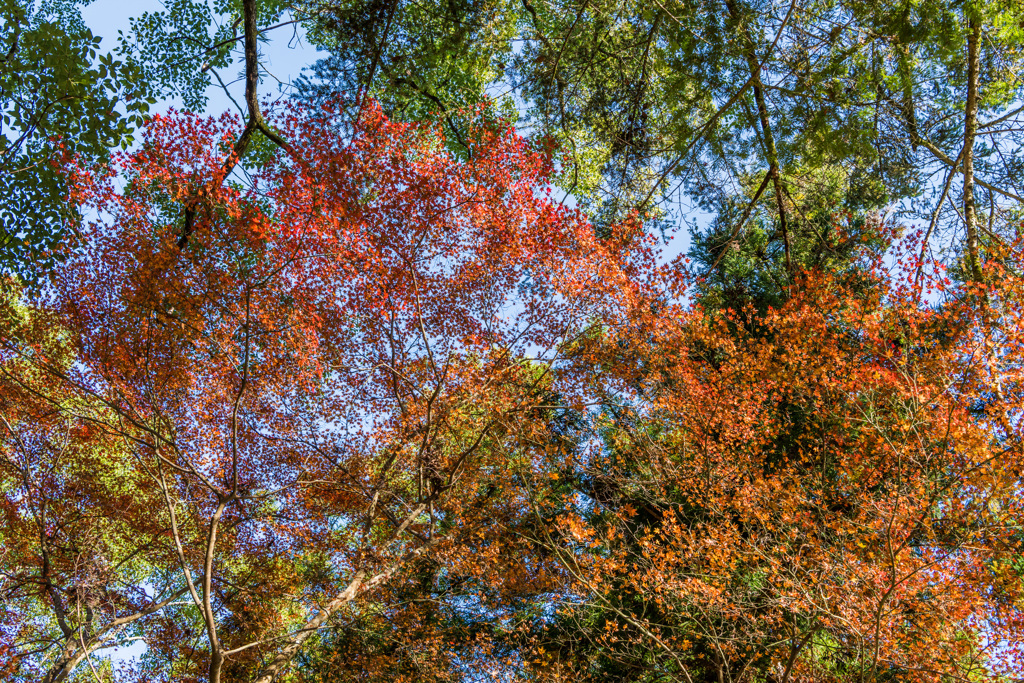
<point>218,438</point>
<point>824,491</point>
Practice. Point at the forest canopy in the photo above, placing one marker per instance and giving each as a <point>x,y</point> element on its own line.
<point>400,373</point>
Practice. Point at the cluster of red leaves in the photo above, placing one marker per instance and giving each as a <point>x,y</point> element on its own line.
<point>320,387</point>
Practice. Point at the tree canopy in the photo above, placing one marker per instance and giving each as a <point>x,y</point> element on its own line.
<point>386,377</point>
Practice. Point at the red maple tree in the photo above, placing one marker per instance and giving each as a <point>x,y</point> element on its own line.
<point>224,429</point>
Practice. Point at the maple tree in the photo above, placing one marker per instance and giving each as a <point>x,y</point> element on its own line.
<point>220,440</point>
<point>826,490</point>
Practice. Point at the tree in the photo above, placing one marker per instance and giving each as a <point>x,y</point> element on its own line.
<point>416,59</point>
<point>826,490</point>
<point>56,95</point>
<point>224,445</point>
<point>59,96</point>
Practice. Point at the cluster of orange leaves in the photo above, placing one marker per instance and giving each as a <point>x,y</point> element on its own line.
<point>829,491</point>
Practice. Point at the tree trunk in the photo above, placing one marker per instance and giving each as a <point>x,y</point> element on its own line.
<point>762,112</point>
<point>970,131</point>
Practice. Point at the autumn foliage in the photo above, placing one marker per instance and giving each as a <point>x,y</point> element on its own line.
<point>323,385</point>
<point>824,492</point>
<point>379,389</point>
